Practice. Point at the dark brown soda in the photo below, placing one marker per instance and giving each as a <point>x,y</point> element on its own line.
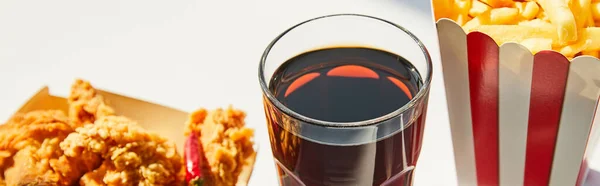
<point>347,84</point>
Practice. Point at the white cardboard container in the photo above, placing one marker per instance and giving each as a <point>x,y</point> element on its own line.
<point>165,121</point>
<point>517,118</point>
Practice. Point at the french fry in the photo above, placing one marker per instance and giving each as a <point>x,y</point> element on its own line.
<point>582,9</point>
<point>591,53</point>
<point>462,6</point>
<point>517,33</point>
<point>572,50</point>
<point>528,10</point>
<point>542,15</point>
<point>589,16</point>
<point>595,9</point>
<point>537,23</point>
<point>560,15</point>
<point>593,35</point>
<point>497,16</point>
<point>502,16</point>
<point>462,19</point>
<point>443,9</point>
<point>498,3</point>
<point>537,44</point>
<point>477,8</point>
<point>565,26</point>
<point>482,19</point>
<point>590,22</point>
<point>520,6</point>
<point>589,41</point>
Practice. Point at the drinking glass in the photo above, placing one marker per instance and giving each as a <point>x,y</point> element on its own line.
<point>376,151</point>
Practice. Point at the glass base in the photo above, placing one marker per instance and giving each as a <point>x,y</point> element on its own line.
<point>288,178</point>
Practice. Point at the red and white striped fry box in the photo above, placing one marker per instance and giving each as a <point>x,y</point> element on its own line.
<point>517,118</point>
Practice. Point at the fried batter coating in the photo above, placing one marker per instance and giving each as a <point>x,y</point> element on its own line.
<point>30,153</point>
<point>226,142</point>
<point>85,105</point>
<point>131,154</point>
<point>29,142</point>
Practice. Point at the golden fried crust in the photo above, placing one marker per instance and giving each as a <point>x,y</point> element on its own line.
<point>30,153</point>
<point>227,144</point>
<point>130,153</point>
<point>29,129</point>
<point>85,105</point>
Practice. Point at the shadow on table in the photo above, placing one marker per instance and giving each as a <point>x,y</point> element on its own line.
<point>593,178</point>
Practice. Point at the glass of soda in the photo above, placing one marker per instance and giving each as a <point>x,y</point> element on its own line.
<point>345,98</point>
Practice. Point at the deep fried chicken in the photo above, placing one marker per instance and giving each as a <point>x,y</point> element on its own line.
<point>92,147</point>
<point>31,155</point>
<point>29,142</point>
<point>227,144</point>
<point>85,105</point>
<point>132,156</point>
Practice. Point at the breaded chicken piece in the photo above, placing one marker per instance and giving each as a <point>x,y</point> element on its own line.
<point>29,144</point>
<point>90,146</point>
<point>132,155</point>
<point>30,129</point>
<point>227,144</point>
<point>85,105</point>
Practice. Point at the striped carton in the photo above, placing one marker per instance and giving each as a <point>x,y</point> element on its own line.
<point>517,118</point>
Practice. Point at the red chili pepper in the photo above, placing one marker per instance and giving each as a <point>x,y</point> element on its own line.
<point>193,161</point>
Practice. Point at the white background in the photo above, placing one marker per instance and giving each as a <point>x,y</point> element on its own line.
<point>188,54</point>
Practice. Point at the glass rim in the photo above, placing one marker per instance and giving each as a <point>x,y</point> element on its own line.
<point>420,94</point>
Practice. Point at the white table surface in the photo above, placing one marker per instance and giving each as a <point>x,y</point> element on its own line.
<point>188,54</point>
